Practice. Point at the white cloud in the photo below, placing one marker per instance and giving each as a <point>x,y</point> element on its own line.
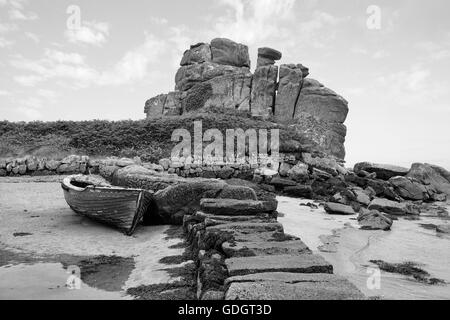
<point>159,20</point>
<point>72,68</point>
<point>33,37</point>
<point>252,21</point>
<point>5,43</point>
<point>50,95</point>
<point>16,14</point>
<point>380,54</point>
<point>63,57</point>
<point>7,27</point>
<point>412,87</point>
<point>435,51</point>
<point>94,33</point>
<point>317,31</point>
<point>4,93</point>
<point>135,64</point>
<point>30,113</point>
<point>29,107</point>
<point>28,80</point>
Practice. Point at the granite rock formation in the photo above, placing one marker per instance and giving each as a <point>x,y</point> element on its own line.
<point>218,75</point>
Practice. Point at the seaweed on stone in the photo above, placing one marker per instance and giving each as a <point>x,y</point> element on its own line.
<point>408,268</point>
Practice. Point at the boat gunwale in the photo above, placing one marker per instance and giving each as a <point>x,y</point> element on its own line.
<point>67,185</point>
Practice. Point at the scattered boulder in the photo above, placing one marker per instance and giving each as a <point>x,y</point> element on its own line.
<point>409,189</point>
<point>394,208</point>
<point>198,53</point>
<point>284,169</point>
<point>443,172</point>
<point>374,220</point>
<point>337,208</point>
<point>361,196</point>
<point>445,228</point>
<point>299,191</point>
<point>136,176</point>
<point>327,164</point>
<point>184,198</point>
<point>383,171</point>
<point>299,172</point>
<point>267,56</point>
<point>428,175</point>
<point>282,182</point>
<point>228,52</point>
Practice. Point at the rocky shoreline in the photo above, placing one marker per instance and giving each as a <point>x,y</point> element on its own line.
<point>237,248</point>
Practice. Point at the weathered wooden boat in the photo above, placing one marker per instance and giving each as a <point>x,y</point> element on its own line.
<point>122,208</point>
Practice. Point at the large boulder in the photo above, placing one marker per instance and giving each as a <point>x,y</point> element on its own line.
<point>444,228</point>
<point>228,52</point>
<point>374,220</point>
<point>230,91</point>
<point>154,106</point>
<point>176,201</point>
<point>187,76</point>
<point>299,172</point>
<point>164,105</point>
<point>267,56</point>
<point>263,90</point>
<point>339,209</point>
<point>321,113</point>
<point>410,189</point>
<point>428,175</point>
<point>394,208</point>
<point>383,171</point>
<point>443,172</point>
<point>198,53</point>
<point>291,78</point>
<point>329,136</point>
<point>327,164</point>
<point>136,176</point>
<point>321,102</point>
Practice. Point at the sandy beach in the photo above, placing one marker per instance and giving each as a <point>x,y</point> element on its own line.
<point>340,241</point>
<point>40,236</point>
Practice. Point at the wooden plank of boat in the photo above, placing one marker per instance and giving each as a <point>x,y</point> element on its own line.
<point>119,207</point>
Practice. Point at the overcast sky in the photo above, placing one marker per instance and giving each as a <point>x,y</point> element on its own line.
<point>396,78</point>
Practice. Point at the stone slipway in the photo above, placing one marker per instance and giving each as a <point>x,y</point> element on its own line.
<point>246,255</point>
<point>305,263</point>
<point>291,286</point>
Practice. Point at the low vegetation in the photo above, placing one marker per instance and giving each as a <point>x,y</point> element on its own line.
<point>149,139</point>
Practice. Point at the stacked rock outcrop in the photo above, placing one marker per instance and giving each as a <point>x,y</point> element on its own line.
<point>217,74</point>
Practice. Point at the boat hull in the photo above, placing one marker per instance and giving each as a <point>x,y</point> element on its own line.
<point>119,207</point>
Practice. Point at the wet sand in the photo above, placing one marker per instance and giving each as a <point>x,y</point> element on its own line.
<point>340,241</point>
<point>40,235</point>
